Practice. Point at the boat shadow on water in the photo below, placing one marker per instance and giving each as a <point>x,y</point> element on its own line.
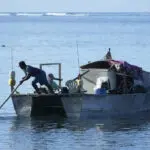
<point>48,132</point>
<point>46,124</point>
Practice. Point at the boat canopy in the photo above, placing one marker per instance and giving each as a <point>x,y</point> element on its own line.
<point>97,65</point>
<point>116,65</point>
<point>108,63</point>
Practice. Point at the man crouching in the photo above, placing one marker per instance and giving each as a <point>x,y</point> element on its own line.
<point>38,74</point>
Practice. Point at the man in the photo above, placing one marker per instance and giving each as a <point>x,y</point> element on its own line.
<point>38,74</point>
<point>108,55</point>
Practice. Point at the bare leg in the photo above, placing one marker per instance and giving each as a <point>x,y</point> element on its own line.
<point>43,80</point>
<point>35,86</point>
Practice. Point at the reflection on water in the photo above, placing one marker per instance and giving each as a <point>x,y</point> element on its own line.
<point>60,133</point>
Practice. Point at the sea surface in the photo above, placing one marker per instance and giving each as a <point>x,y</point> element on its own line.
<point>71,39</point>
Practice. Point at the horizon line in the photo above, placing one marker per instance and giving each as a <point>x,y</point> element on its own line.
<point>75,12</point>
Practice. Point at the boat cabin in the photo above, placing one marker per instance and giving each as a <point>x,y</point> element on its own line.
<point>112,75</point>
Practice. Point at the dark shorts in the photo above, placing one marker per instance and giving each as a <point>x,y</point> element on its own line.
<point>41,78</point>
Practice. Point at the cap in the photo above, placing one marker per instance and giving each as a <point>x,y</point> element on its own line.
<point>22,64</point>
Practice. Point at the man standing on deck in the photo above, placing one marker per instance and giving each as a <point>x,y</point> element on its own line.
<point>38,74</point>
<point>108,55</point>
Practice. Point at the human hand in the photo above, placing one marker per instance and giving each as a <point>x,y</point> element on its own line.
<point>23,78</point>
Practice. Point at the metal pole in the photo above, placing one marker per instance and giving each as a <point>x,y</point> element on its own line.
<point>59,75</point>
<point>78,57</point>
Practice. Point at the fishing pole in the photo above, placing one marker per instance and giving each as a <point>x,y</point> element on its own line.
<point>78,57</point>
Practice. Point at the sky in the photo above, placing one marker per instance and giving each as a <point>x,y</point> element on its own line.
<point>75,6</point>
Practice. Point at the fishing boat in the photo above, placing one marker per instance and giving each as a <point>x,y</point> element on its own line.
<point>104,88</point>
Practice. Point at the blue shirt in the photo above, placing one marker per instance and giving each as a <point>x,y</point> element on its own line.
<point>33,71</point>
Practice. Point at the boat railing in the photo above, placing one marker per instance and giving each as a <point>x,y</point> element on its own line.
<point>54,64</point>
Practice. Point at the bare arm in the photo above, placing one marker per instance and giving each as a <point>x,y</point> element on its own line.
<point>58,79</point>
<point>25,78</point>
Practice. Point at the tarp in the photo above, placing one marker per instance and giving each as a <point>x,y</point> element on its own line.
<point>135,71</point>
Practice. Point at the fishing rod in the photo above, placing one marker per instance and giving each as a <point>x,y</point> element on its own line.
<point>11,55</point>
<point>78,57</point>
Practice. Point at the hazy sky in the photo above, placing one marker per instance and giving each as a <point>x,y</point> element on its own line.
<point>76,5</point>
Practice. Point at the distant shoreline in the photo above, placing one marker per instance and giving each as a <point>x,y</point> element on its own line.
<point>70,13</point>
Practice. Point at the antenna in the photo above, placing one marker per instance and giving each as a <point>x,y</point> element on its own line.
<point>12,58</point>
<point>11,54</point>
<point>78,57</point>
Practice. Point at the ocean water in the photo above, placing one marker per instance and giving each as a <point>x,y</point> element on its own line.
<point>54,38</point>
